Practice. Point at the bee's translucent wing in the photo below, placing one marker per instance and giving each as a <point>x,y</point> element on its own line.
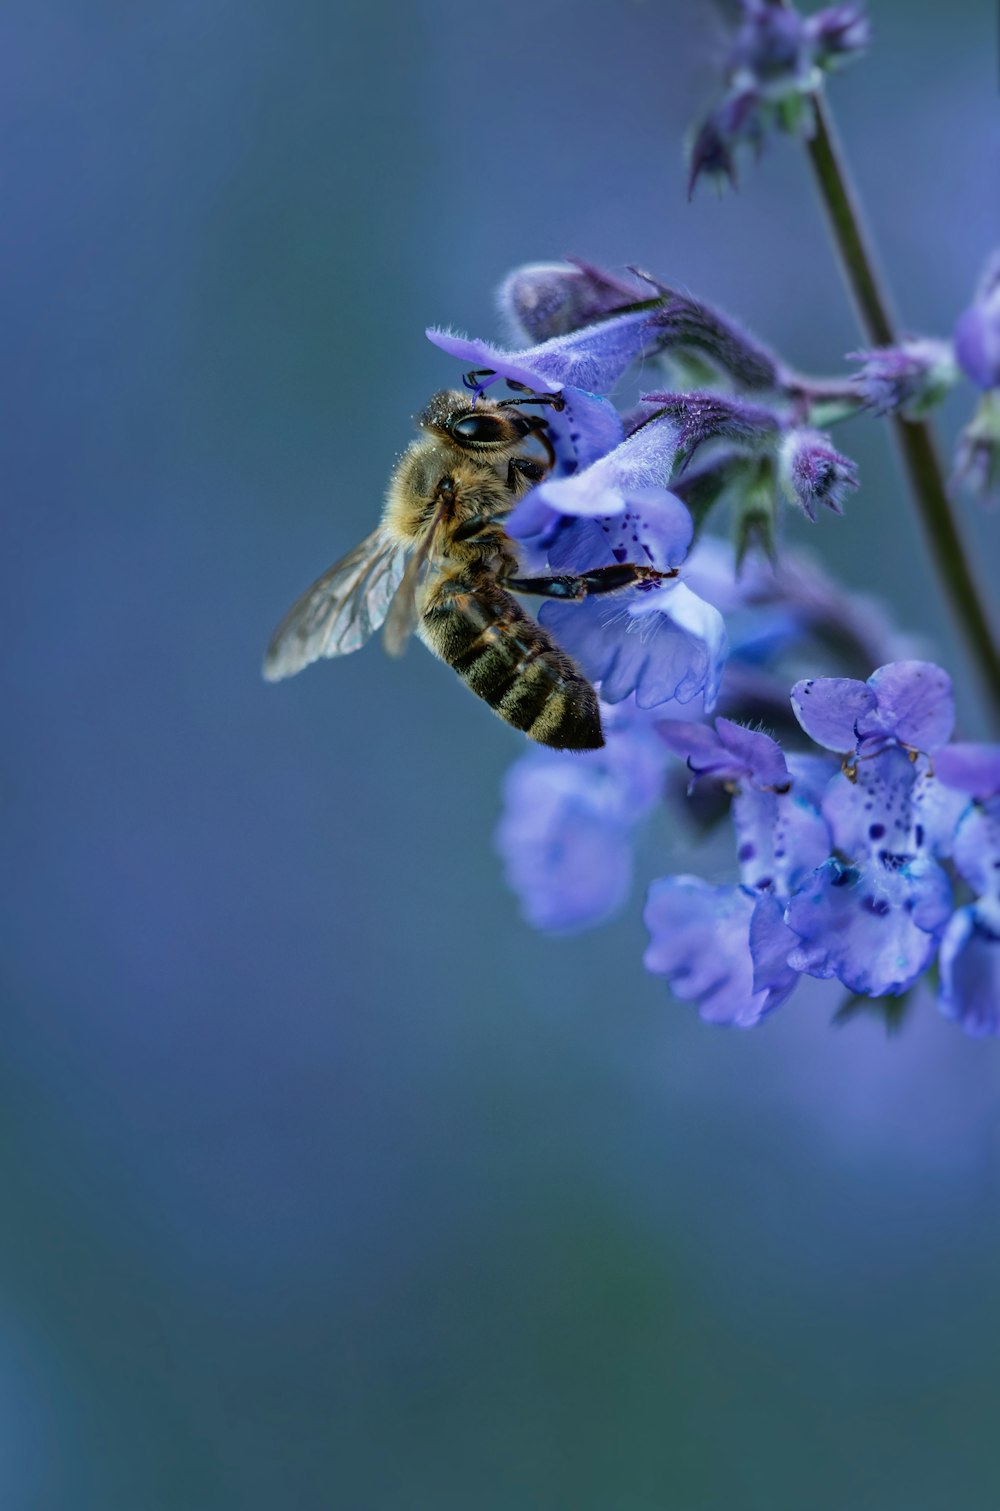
<point>403,614</point>
<point>341,610</point>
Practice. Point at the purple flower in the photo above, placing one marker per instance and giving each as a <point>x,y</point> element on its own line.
<point>838,33</point>
<point>977,333</point>
<point>658,640</point>
<point>970,950</point>
<point>663,645</point>
<point>909,379</point>
<point>874,928</point>
<point>908,703</point>
<point>970,768</point>
<point>700,939</point>
<point>728,753</point>
<point>641,462</point>
<point>771,51</point>
<point>813,474</point>
<point>566,832</point>
<point>969,964</point>
<point>874,923</point>
<point>712,152</point>
<point>781,837</point>
<point>546,299</point>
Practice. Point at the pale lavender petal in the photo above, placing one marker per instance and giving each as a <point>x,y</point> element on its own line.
<point>643,460</point>
<point>969,991</point>
<point>654,530</point>
<point>760,757</point>
<point>771,943</point>
<point>593,358</point>
<point>671,648</point>
<point>970,768</point>
<point>976,850</point>
<point>566,846</point>
<point>874,928</point>
<point>700,940</point>
<point>914,705</point>
<point>828,708</point>
<point>485,354</point>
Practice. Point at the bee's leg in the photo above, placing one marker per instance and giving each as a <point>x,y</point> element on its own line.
<point>586,584</point>
<point>528,396</point>
<point>526,467</point>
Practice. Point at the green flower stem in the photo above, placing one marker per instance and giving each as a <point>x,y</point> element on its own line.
<point>914,437</point>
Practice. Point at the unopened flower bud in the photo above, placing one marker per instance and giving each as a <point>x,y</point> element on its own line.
<point>813,473</point>
<point>908,379</point>
<point>977,334</point>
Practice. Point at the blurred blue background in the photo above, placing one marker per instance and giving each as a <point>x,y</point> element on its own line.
<point>323,1181</point>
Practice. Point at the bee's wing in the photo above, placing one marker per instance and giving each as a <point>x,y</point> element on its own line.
<point>402,616</point>
<point>341,610</point>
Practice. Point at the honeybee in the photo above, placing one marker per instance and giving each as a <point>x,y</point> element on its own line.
<point>441,563</point>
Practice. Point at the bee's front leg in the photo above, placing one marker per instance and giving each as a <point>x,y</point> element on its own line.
<point>523,467</point>
<point>581,585</point>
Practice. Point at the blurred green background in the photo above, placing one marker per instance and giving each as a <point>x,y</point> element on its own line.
<point>323,1182</point>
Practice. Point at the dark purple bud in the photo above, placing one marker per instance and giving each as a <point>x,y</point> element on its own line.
<point>838,34</point>
<point>714,416</point>
<point>712,153</point>
<point>812,473</point>
<point>689,325</point>
<point>908,379</point>
<point>548,299</point>
<point>977,334</point>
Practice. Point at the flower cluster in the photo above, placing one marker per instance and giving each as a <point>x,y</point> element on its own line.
<point>735,677</point>
<point>773,71</point>
<point>775,64</point>
<point>849,851</point>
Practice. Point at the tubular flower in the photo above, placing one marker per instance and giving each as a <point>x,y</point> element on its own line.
<point>909,379</point>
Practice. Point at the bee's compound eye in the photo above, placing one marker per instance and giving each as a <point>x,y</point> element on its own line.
<point>479,429</point>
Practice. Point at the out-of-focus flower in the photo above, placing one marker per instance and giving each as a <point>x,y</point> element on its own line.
<point>700,940</point>
<point>908,704</point>
<point>977,454</point>
<point>977,333</point>
<point>566,832</point>
<point>812,473</point>
<point>774,67</point>
<point>908,379</point>
<point>969,989</point>
<point>838,33</point>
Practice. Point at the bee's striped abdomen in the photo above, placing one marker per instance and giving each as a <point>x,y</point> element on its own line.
<point>512,663</point>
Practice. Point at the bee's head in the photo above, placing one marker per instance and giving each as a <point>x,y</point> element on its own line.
<point>478,426</point>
